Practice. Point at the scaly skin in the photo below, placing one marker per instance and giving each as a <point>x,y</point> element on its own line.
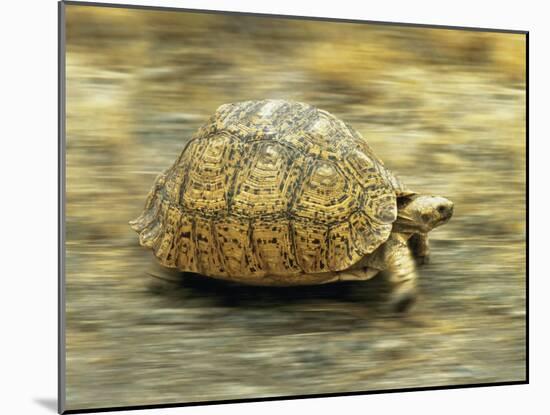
<point>420,248</point>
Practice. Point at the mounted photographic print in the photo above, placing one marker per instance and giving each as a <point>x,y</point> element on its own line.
<point>258,207</point>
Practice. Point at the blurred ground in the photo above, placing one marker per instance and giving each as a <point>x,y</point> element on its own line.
<point>444,109</point>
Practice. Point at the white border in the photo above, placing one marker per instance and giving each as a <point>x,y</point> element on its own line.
<point>29,209</point>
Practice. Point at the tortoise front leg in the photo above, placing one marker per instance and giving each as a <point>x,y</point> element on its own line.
<point>401,273</point>
<point>420,247</point>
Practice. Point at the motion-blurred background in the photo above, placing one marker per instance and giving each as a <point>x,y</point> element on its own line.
<point>445,110</point>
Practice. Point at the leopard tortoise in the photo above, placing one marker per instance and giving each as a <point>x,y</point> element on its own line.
<point>281,193</point>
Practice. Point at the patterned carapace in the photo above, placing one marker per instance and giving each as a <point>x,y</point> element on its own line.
<point>270,188</point>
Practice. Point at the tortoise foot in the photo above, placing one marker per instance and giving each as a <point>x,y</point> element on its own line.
<point>423,259</point>
<point>402,302</point>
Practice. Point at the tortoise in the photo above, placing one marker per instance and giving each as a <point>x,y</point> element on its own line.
<point>282,193</point>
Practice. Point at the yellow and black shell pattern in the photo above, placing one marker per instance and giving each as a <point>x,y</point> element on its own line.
<point>269,188</point>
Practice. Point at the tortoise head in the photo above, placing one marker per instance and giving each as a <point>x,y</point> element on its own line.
<point>422,213</point>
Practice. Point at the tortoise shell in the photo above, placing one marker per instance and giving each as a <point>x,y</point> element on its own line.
<point>269,188</point>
